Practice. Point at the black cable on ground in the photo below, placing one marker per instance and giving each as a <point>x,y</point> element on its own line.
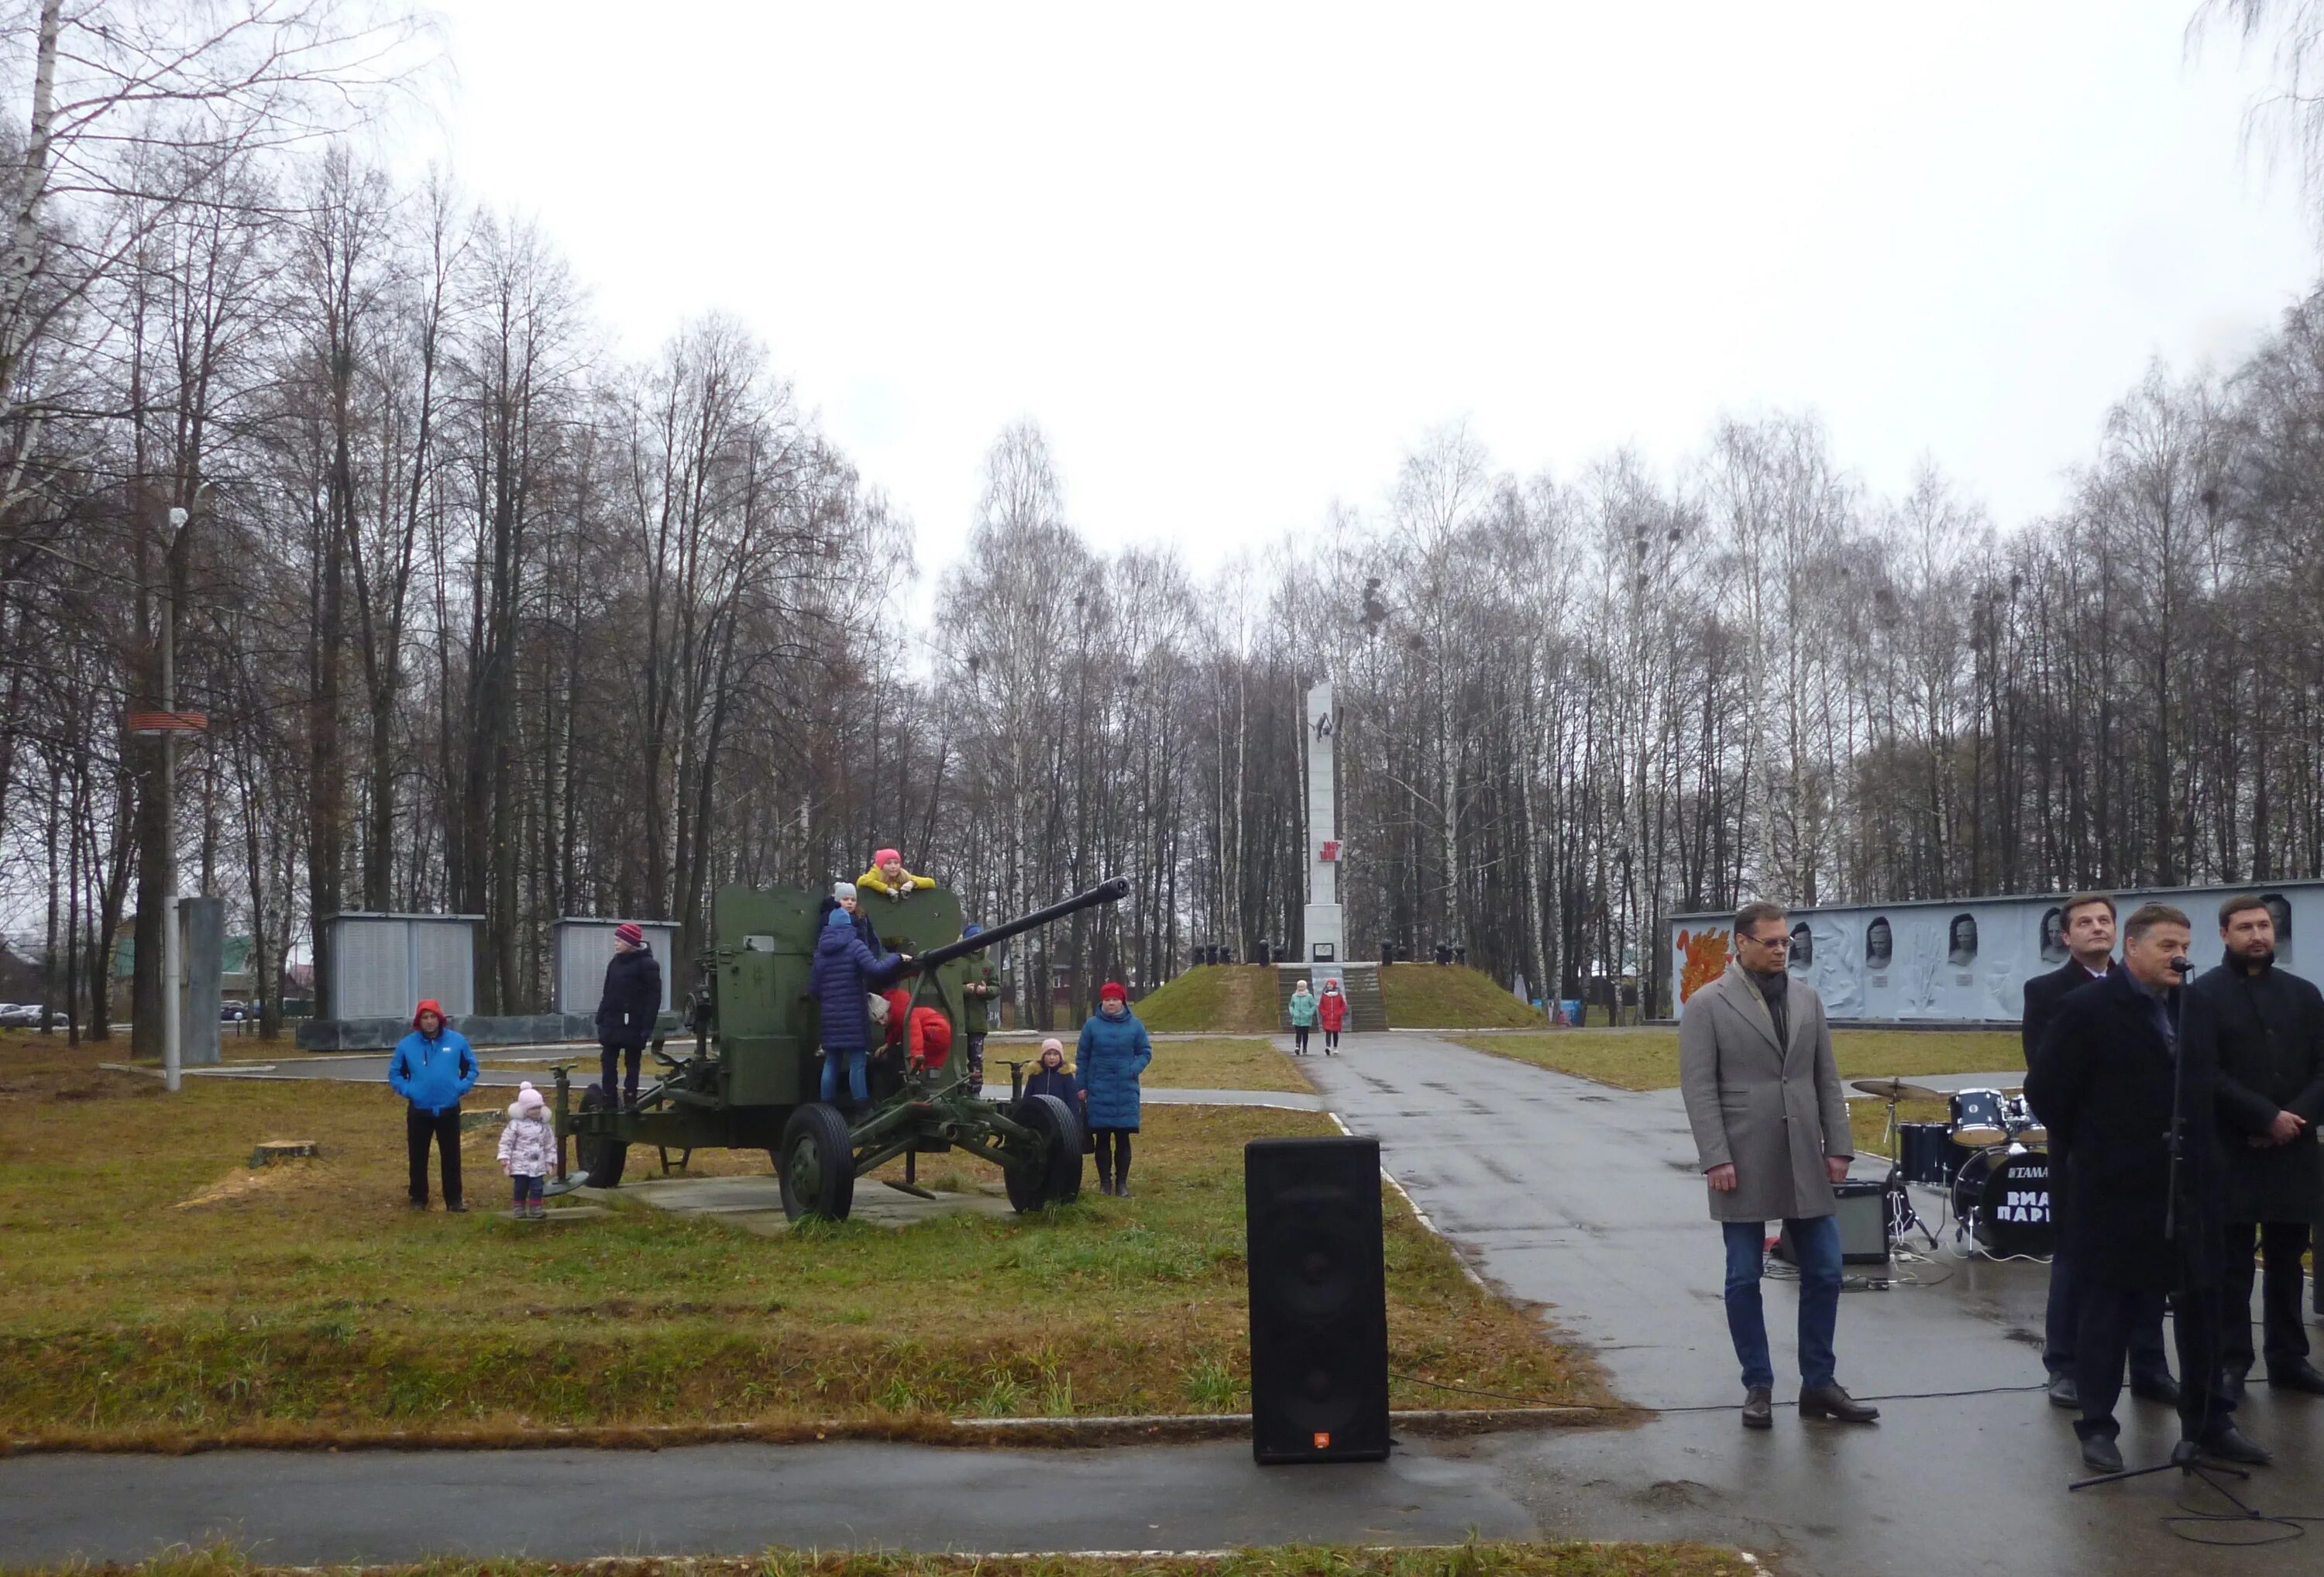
<point>1699,1407</point>
<point>2280,1527</point>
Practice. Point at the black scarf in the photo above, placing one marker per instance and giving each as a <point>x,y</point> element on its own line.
<point>1775,988</point>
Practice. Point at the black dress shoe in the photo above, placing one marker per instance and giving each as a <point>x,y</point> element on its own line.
<point>2228,1443</point>
<point>2300,1377</point>
<point>1759,1408</point>
<point>456,1208</point>
<point>2101,1455</point>
<point>1834,1403</point>
<point>2161,1388</point>
<point>2064,1393</point>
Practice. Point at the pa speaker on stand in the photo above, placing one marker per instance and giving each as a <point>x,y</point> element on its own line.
<point>1318,1300</point>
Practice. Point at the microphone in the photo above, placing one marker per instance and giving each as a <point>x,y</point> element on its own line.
<point>2180,967</point>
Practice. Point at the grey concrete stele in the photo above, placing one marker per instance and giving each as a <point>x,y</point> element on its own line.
<point>1322,931</point>
<point>1962,961</point>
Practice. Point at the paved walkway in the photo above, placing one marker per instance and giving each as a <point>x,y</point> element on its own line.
<point>363,1068</point>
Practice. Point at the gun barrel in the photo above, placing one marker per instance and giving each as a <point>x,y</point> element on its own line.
<point>1112,890</point>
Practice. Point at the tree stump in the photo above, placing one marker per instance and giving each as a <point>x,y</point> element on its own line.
<point>271,1150</point>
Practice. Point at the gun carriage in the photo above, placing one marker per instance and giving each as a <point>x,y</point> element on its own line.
<point>753,1078</point>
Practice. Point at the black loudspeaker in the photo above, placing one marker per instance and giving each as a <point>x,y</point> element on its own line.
<point>1863,1224</point>
<point>1318,1300</point>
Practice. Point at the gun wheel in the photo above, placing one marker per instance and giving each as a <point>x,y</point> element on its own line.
<point>601,1160</point>
<point>816,1163</point>
<point>1054,1176</point>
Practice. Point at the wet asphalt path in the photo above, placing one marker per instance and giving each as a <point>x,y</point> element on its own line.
<point>305,1509</point>
<point>1586,1200</point>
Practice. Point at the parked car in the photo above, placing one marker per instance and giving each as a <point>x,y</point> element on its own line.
<point>236,1012</point>
<point>20,1015</point>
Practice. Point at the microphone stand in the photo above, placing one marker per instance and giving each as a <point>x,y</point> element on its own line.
<point>2184,1456</point>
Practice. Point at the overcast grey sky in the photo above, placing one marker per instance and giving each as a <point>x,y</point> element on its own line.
<point>1235,258</point>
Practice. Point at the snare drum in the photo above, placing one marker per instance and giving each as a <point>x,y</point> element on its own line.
<point>1979,1118</point>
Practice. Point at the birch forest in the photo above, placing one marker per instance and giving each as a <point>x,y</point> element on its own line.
<point>488,620</point>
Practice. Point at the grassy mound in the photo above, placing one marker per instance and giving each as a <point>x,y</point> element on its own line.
<point>1223,999</point>
<point>1429,996</point>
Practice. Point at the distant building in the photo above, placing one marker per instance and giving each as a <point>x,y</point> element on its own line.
<point>1965,961</point>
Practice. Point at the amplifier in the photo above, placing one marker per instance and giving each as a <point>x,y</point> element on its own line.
<point>1863,1224</point>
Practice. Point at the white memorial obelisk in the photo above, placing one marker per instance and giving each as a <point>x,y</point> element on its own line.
<point>1323,927</point>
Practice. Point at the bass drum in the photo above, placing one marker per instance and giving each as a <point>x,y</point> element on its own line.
<point>2002,1196</point>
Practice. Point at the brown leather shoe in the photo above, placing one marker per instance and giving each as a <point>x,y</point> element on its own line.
<point>1759,1408</point>
<point>1834,1403</point>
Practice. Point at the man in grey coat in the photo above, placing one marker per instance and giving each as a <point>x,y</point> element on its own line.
<point>1771,1129</point>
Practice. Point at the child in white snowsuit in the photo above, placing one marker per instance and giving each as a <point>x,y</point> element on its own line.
<point>529,1151</point>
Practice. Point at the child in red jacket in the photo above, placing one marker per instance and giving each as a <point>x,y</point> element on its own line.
<point>1331,1008</point>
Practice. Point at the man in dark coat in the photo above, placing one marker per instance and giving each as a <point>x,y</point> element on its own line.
<point>2271,1032</point>
<point>628,1009</point>
<point>2087,920</point>
<point>2125,1058</point>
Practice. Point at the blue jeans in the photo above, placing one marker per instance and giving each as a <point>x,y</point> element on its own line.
<point>528,1190</point>
<point>1817,1239</point>
<point>858,1090</point>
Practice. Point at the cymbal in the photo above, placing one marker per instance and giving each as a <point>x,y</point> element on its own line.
<point>1896,1089</point>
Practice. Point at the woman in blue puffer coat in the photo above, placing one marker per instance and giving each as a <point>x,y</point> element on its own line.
<point>1114,1050</point>
<point>843,973</point>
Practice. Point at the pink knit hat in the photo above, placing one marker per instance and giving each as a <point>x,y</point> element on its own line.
<point>630,933</point>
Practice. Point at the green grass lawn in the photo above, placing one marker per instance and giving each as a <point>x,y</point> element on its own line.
<point>158,1292</point>
<point>1248,1064</point>
<point>1475,1559</point>
<point>1648,1059</point>
<point>1429,996</point>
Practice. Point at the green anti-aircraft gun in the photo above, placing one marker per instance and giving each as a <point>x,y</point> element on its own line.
<point>753,1078</point>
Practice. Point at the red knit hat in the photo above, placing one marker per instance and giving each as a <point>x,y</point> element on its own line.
<point>1112,990</point>
<point>430,1005</point>
<point>630,933</point>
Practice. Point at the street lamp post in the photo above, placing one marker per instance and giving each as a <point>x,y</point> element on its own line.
<point>170,1005</point>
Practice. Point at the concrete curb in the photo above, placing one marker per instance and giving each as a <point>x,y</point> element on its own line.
<point>1068,1434</point>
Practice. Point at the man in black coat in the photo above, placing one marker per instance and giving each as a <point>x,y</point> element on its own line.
<point>629,1008</point>
<point>2271,1032</point>
<point>2087,920</point>
<point>2124,1057</point>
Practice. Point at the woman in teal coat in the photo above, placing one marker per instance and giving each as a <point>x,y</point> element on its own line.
<point>1114,1050</point>
<point>1302,1016</point>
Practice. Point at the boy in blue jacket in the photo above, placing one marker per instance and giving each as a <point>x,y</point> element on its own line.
<point>843,973</point>
<point>432,1068</point>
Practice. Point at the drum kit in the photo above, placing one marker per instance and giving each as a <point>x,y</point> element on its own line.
<point>1990,1157</point>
